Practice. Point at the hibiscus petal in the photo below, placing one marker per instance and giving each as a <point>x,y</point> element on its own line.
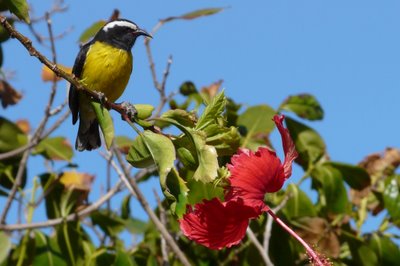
<point>254,174</point>
<point>217,224</point>
<point>288,145</point>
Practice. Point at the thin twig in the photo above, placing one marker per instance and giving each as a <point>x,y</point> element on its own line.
<point>151,64</point>
<point>259,247</point>
<point>161,90</point>
<point>16,185</point>
<point>72,217</point>
<point>163,219</point>
<point>134,189</point>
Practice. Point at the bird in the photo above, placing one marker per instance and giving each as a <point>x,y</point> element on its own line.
<point>104,65</point>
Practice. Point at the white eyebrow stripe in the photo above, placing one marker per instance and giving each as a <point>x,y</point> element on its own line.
<point>120,23</point>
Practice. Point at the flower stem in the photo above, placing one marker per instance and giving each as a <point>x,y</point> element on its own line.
<point>316,260</point>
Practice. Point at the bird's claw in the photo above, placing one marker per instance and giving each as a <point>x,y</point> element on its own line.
<point>130,110</point>
<point>101,97</point>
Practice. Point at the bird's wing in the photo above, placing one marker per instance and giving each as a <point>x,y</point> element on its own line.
<point>73,98</point>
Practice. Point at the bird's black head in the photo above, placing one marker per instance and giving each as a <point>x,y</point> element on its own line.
<point>120,33</point>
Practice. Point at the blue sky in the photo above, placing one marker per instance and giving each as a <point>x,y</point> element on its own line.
<point>346,53</point>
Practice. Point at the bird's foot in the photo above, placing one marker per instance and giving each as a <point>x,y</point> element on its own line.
<point>130,110</point>
<point>101,97</point>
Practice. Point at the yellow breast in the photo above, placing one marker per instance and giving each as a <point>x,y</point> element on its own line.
<point>107,69</point>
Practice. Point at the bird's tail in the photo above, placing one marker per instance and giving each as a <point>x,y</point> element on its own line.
<point>88,134</point>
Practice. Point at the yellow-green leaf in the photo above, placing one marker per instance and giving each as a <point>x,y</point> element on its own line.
<point>20,8</point>
<point>91,31</point>
<point>105,122</point>
<point>57,148</point>
<point>195,14</point>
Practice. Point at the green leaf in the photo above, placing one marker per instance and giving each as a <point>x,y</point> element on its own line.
<point>361,253</point>
<point>135,226</point>
<point>195,14</point>
<point>308,143</point>
<point>4,34</point>
<point>387,251</point>
<point>105,258</point>
<point>256,120</point>
<point>200,191</point>
<point>176,192</point>
<point>5,249</point>
<point>109,222</point>
<point>355,176</point>
<point>213,110</point>
<point>304,105</point>
<point>47,251</point>
<point>144,111</point>
<point>225,140</point>
<point>69,238</point>
<point>139,155</point>
<point>8,172</point>
<point>333,195</point>
<point>91,31</point>
<point>183,117</point>
<point>391,196</point>
<point>123,258</point>
<point>162,151</point>
<point>24,251</point>
<point>56,148</point>
<point>298,204</point>
<point>207,158</point>
<point>11,136</point>
<point>123,143</point>
<point>20,8</point>
<point>206,155</point>
<point>126,207</point>
<point>105,122</point>
<point>186,152</point>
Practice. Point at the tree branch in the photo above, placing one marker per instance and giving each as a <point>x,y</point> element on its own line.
<point>27,43</point>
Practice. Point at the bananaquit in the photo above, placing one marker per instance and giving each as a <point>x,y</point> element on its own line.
<point>103,65</point>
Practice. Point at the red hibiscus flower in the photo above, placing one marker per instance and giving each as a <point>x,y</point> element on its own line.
<point>217,224</point>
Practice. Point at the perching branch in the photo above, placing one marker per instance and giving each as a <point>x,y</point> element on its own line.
<point>27,43</point>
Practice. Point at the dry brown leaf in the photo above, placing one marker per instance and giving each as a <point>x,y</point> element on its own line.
<point>49,75</point>
<point>317,232</point>
<point>212,89</point>
<point>379,166</point>
<point>382,164</point>
<point>114,15</point>
<point>8,95</point>
<point>24,125</point>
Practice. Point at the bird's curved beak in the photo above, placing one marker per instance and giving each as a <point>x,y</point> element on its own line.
<point>143,32</point>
